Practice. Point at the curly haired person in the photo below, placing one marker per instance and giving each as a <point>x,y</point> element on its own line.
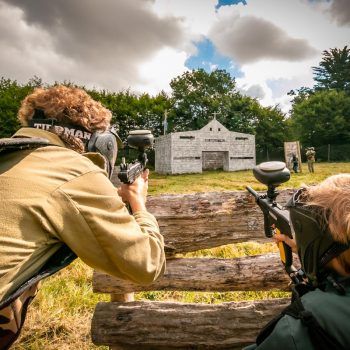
<point>57,195</point>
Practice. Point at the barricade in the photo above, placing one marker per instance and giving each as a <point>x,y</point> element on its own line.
<point>189,223</point>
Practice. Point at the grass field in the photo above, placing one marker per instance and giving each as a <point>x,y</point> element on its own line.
<point>60,316</point>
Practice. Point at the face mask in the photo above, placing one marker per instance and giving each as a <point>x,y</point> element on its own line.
<point>106,143</point>
<point>316,246</point>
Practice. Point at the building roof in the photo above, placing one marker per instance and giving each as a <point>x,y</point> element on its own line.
<point>214,124</point>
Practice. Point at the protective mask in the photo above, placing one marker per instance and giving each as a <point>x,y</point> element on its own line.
<point>316,246</point>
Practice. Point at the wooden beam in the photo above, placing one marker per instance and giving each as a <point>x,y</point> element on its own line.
<point>261,272</point>
<point>161,326</point>
<point>204,220</point>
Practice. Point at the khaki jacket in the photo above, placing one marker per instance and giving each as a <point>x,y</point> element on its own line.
<point>52,195</point>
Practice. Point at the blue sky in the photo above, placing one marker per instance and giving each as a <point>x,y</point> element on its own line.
<point>269,46</point>
<point>229,2</point>
<point>209,59</point>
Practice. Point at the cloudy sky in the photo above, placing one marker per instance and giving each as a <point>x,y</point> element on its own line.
<point>269,46</point>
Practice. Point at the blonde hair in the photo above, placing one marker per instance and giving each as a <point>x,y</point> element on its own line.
<point>67,105</point>
<point>333,197</point>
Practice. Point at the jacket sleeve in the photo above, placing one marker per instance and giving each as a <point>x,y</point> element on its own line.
<point>288,334</point>
<point>96,225</point>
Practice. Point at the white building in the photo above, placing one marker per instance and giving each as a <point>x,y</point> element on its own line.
<point>212,147</point>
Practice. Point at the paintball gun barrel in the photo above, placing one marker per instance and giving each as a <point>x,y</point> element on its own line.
<point>276,218</point>
<point>140,140</point>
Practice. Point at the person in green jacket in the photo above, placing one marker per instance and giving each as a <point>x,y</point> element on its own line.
<point>321,219</point>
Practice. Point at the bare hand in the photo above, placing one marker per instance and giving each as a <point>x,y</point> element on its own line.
<point>289,241</point>
<point>136,193</point>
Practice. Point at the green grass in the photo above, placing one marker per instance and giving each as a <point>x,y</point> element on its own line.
<point>218,180</point>
<point>60,316</point>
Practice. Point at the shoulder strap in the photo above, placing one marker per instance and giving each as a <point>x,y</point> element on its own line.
<point>20,143</point>
<point>60,259</point>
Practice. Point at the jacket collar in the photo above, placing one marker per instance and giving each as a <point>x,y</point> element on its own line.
<point>32,132</point>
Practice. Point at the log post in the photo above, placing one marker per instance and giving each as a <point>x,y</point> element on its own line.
<point>121,298</point>
<point>259,272</point>
<point>151,325</point>
<point>208,220</point>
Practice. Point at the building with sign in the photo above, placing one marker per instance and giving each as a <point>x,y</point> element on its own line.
<point>212,147</point>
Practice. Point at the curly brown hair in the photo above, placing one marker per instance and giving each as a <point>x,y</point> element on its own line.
<point>68,105</point>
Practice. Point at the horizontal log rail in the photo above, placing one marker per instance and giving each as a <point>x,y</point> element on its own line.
<point>261,272</point>
<point>189,223</point>
<point>204,220</point>
<point>165,325</point>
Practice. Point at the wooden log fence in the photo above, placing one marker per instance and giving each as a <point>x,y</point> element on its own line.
<point>189,223</point>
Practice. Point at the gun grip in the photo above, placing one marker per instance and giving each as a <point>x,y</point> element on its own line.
<point>285,251</point>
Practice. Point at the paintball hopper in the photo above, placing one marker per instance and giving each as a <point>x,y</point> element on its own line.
<point>140,139</point>
<point>271,173</point>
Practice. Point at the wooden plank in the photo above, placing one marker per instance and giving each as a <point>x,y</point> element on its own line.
<point>165,325</point>
<point>261,272</point>
<point>204,220</point>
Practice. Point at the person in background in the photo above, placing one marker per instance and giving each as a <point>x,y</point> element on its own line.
<point>310,156</point>
<point>295,163</point>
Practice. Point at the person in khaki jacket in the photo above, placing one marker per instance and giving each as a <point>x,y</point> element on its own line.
<point>56,195</point>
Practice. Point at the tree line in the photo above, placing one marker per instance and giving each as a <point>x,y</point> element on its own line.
<point>319,115</point>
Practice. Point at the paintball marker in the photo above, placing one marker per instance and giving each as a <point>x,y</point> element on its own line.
<point>140,140</point>
<point>276,218</point>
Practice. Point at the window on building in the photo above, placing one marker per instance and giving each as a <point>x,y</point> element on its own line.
<point>214,140</point>
<point>241,157</point>
<point>241,138</point>
<point>186,158</point>
<point>211,129</point>
<point>187,137</point>
<point>219,129</point>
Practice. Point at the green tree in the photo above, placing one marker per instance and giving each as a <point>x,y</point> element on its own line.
<point>333,71</point>
<point>321,118</point>
<point>197,95</point>
<point>11,95</point>
<point>151,112</point>
<point>131,111</point>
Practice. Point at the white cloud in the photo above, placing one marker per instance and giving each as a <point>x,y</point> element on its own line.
<point>160,70</point>
<point>299,19</point>
<point>143,44</point>
<point>340,12</point>
<point>294,75</point>
<point>98,44</point>
<point>251,38</point>
<point>197,15</point>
